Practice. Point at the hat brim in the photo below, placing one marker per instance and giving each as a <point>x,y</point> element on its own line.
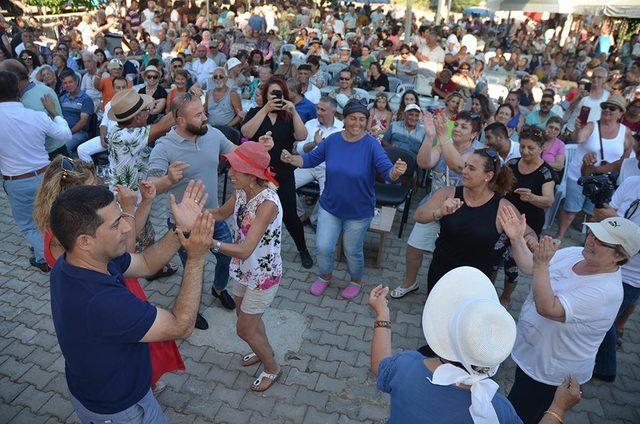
<point>146,102</point>
<point>456,285</point>
<point>601,233</point>
<point>240,165</point>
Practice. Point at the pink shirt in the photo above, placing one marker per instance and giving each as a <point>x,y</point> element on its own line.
<point>552,152</point>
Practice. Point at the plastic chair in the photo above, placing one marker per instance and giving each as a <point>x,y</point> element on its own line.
<point>396,194</point>
<point>394,83</point>
<point>404,87</point>
<point>561,189</point>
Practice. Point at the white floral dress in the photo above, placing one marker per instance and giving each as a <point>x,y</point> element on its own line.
<point>263,269</point>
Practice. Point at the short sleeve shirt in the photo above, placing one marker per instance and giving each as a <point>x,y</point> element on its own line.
<point>128,156</point>
<point>398,135</point>
<point>73,108</point>
<point>99,324</point>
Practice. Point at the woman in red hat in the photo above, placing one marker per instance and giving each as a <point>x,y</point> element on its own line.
<point>256,264</point>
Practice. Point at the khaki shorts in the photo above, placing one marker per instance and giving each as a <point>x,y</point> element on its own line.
<point>254,301</point>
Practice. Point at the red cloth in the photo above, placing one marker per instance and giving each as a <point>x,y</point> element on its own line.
<point>165,356</point>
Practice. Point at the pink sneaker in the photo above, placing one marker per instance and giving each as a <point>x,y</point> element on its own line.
<point>351,291</point>
<point>318,287</point>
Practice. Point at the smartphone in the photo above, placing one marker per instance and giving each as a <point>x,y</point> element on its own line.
<point>278,95</point>
<point>584,115</point>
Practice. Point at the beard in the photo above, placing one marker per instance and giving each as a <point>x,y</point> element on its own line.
<point>201,130</point>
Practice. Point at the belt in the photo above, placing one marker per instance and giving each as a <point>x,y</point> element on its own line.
<point>25,175</point>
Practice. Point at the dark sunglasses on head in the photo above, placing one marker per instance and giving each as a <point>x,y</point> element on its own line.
<point>609,107</point>
<point>491,154</point>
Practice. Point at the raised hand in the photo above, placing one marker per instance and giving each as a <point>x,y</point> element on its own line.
<point>266,140</point>
<point>378,300</point>
<point>194,198</point>
<point>176,171</point>
<point>317,137</point>
<point>429,124</point>
<point>513,224</point>
<point>201,237</point>
<point>148,191</point>
<point>286,157</point>
<point>49,104</point>
<point>546,249</point>
<point>442,128</point>
<point>127,198</point>
<point>450,205</point>
<point>196,90</point>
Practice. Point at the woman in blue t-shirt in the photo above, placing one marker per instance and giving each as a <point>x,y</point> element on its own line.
<point>347,203</point>
<point>470,334</point>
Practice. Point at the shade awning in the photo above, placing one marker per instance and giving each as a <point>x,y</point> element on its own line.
<point>613,8</point>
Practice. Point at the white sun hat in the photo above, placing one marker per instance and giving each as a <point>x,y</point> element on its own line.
<point>464,322</point>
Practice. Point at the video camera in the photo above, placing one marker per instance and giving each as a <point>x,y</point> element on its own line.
<point>599,188</point>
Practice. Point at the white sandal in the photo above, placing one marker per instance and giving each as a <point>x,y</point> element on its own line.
<point>400,291</point>
<point>271,377</point>
<point>250,359</point>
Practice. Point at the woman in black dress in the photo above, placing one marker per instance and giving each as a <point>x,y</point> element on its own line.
<point>376,79</point>
<point>279,117</point>
<point>152,88</point>
<point>468,216</point>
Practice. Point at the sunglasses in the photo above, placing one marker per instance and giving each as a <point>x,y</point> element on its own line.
<point>153,77</point>
<point>345,79</point>
<point>218,77</point>
<point>610,108</point>
<point>491,154</point>
<point>27,58</point>
<point>68,167</point>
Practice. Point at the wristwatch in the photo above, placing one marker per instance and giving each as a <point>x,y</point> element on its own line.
<point>216,247</point>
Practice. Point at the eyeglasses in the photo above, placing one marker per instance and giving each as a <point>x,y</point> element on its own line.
<point>345,79</point>
<point>153,77</point>
<point>610,108</point>
<point>218,77</point>
<point>27,58</point>
<point>68,167</point>
<point>633,207</point>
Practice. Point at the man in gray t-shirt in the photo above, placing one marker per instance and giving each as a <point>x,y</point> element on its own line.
<point>191,151</point>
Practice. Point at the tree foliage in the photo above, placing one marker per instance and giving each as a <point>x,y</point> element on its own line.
<point>57,6</point>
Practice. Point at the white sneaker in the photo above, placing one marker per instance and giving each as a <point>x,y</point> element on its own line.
<point>400,291</point>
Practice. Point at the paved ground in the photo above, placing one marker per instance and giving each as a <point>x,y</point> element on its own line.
<point>326,380</point>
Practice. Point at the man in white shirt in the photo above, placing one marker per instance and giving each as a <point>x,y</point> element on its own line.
<point>311,92</point>
<point>432,53</point>
<point>87,83</point>
<point>23,157</point>
<point>203,66</point>
<point>498,139</point>
<point>317,130</point>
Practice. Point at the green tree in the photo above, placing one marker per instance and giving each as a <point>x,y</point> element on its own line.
<point>56,6</point>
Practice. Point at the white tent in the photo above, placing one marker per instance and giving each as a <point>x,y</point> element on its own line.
<point>614,8</point>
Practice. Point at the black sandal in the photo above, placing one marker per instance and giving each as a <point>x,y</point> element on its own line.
<point>167,270</point>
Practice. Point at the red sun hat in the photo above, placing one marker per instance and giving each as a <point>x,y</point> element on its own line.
<point>253,159</point>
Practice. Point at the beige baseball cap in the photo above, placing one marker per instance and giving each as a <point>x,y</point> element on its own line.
<point>619,231</point>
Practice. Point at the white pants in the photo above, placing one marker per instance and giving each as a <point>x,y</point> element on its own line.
<point>90,147</point>
<point>304,176</point>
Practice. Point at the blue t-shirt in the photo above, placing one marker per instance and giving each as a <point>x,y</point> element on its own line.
<point>349,191</point>
<point>73,107</point>
<point>99,324</point>
<point>306,110</point>
<point>414,399</point>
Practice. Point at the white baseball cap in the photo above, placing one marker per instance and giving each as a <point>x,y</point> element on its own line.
<point>412,106</point>
<point>617,230</point>
<point>233,62</point>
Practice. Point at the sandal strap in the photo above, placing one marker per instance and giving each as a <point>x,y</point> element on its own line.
<point>249,356</point>
<point>264,375</point>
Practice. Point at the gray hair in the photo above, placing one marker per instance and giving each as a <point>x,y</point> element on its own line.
<point>89,55</point>
<point>330,101</point>
<point>294,85</point>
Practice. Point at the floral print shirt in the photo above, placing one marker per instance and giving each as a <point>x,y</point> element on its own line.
<point>129,156</point>
<point>263,269</point>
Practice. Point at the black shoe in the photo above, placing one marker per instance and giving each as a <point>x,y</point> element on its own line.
<point>605,378</point>
<point>305,258</point>
<point>201,323</point>
<point>42,266</point>
<point>225,299</point>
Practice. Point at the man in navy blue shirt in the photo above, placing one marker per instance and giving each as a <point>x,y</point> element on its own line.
<point>102,328</point>
<point>305,108</point>
<point>77,108</point>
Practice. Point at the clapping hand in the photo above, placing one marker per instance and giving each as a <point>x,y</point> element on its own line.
<point>442,128</point>
<point>186,212</point>
<point>286,157</point>
<point>196,90</point>
<point>127,198</point>
<point>378,301</point>
<point>429,125</point>
<point>450,206</point>
<point>317,137</point>
<point>545,250</point>
<point>147,191</point>
<point>176,171</point>
<point>266,140</point>
<point>201,236</point>
<point>49,104</point>
<point>399,168</point>
<point>513,224</point>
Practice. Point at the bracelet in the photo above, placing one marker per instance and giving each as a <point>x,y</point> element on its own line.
<point>382,324</point>
<point>554,415</point>
<point>128,215</point>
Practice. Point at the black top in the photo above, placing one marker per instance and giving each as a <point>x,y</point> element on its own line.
<point>159,94</point>
<point>467,238</point>
<point>533,181</point>
<point>381,81</point>
<point>282,133</point>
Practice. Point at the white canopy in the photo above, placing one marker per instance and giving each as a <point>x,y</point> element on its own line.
<point>614,8</point>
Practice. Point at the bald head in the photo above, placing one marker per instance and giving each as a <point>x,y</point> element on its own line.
<point>16,68</point>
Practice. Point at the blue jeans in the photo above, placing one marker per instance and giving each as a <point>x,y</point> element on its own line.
<point>146,411</point>
<point>353,232</point>
<point>221,276</point>
<point>76,140</point>
<point>21,194</point>
<point>606,357</point>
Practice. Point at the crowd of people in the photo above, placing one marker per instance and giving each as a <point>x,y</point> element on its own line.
<point>504,119</point>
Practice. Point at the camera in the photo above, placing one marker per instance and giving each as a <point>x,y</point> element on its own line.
<point>599,188</point>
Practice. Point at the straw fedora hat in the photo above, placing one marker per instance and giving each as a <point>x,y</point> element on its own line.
<point>127,104</point>
<point>151,68</point>
<point>464,322</point>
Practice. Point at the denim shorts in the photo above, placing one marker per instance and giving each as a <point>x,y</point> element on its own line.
<point>146,411</point>
<point>575,201</point>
